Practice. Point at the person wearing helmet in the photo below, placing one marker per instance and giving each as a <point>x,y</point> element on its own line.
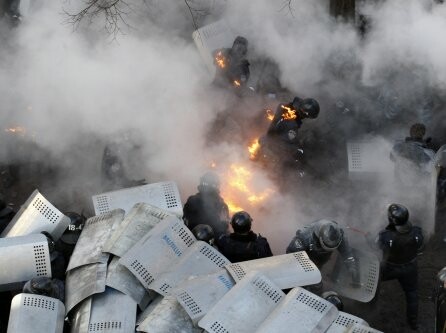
<point>243,244</point>
<point>68,240</point>
<point>205,233</point>
<point>232,65</point>
<point>320,239</point>
<point>45,286</point>
<point>207,206</point>
<point>400,243</point>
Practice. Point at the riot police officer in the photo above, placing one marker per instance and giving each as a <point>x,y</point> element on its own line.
<point>401,243</point>
<point>320,239</point>
<point>207,206</point>
<point>66,243</point>
<point>232,65</point>
<point>205,233</point>
<point>243,244</point>
<point>45,286</point>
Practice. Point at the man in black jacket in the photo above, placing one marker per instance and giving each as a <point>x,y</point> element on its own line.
<point>207,206</point>
<point>243,244</point>
<point>401,243</point>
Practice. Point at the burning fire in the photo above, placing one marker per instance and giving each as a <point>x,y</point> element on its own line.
<point>213,165</point>
<point>240,192</point>
<point>17,129</point>
<point>254,149</point>
<point>236,83</point>
<point>220,60</point>
<point>289,114</point>
<point>269,114</point>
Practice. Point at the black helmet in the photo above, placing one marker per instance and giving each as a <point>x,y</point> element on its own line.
<point>241,222</point>
<point>209,182</point>
<point>329,235</point>
<point>398,216</point>
<point>240,46</point>
<point>39,285</point>
<point>417,131</point>
<point>309,107</point>
<point>333,298</point>
<point>73,231</point>
<point>203,232</point>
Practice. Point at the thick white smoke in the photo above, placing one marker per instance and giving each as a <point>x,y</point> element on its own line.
<point>76,89</point>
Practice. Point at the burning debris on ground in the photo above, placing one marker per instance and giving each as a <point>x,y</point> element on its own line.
<point>102,144</point>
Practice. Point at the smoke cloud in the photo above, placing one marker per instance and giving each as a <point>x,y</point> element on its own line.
<point>75,90</point>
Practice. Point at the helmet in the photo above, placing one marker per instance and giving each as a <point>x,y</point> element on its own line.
<point>329,235</point>
<point>203,232</point>
<point>398,216</point>
<point>240,46</point>
<point>309,107</point>
<point>241,222</point>
<point>209,182</point>
<point>41,285</point>
<point>333,298</point>
<point>73,231</point>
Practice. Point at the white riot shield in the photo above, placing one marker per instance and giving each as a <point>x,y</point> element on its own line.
<point>113,312</point>
<point>22,258</point>
<point>197,296</point>
<point>199,259</point>
<point>36,313</point>
<point>344,322</point>
<point>166,316</point>
<point>210,38</point>
<point>37,214</point>
<point>368,157</point>
<point>164,195</point>
<point>339,278</point>
<point>158,250</point>
<point>119,278</point>
<point>141,218</point>
<point>80,317</point>
<point>285,271</point>
<point>83,282</point>
<point>243,308</point>
<point>89,247</point>
<point>358,328</point>
<point>302,309</point>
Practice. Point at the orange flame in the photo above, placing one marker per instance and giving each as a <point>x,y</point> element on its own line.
<point>236,83</point>
<point>239,192</point>
<point>269,114</point>
<point>17,129</point>
<point>253,149</point>
<point>213,165</point>
<point>220,60</point>
<point>289,114</point>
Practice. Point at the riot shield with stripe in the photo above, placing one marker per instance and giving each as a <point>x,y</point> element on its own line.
<point>89,247</point>
<point>82,282</point>
<point>164,195</point>
<point>141,218</point>
<point>197,296</point>
<point>158,250</point>
<point>36,313</point>
<point>243,308</point>
<point>338,278</point>
<point>121,279</point>
<point>37,214</point>
<point>22,258</point>
<point>167,315</point>
<point>286,271</point>
<point>344,322</point>
<point>199,259</point>
<point>303,309</point>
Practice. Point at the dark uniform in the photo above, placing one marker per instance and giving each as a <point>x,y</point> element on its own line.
<point>237,247</point>
<point>319,240</point>
<point>243,244</point>
<point>6,215</point>
<point>232,65</point>
<point>401,242</point>
<point>207,206</point>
